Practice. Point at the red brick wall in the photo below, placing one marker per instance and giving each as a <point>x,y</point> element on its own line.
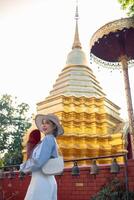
<point>81,187</point>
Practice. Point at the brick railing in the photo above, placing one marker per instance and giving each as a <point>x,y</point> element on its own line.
<point>81,187</point>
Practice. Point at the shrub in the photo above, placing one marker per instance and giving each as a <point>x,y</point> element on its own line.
<point>114,190</point>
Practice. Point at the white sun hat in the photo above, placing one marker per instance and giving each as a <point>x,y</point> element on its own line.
<point>51,117</point>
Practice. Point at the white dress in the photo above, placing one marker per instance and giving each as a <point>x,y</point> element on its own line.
<point>41,187</point>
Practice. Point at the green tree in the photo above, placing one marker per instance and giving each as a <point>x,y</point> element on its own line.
<point>13,124</point>
<point>127,5</point>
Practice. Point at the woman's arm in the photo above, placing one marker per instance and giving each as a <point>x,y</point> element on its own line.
<point>41,154</point>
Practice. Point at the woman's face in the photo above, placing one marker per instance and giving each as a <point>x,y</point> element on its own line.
<point>48,126</point>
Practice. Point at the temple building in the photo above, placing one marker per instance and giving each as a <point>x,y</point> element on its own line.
<point>89,118</point>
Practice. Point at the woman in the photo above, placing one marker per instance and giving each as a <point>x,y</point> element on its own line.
<point>43,187</point>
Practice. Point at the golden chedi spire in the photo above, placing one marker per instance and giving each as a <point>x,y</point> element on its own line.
<point>76,43</point>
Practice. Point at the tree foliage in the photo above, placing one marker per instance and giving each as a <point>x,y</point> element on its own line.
<point>127,5</point>
<point>13,124</point>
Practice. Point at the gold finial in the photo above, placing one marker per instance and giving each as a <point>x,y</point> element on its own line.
<point>76,13</point>
<point>76,43</point>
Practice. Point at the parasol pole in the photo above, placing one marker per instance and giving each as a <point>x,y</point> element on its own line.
<point>124,62</point>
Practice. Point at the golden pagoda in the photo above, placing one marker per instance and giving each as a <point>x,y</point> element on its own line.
<point>90,120</point>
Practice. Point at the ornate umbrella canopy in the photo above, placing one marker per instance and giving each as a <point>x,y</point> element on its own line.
<point>112,41</point>
<point>112,46</point>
